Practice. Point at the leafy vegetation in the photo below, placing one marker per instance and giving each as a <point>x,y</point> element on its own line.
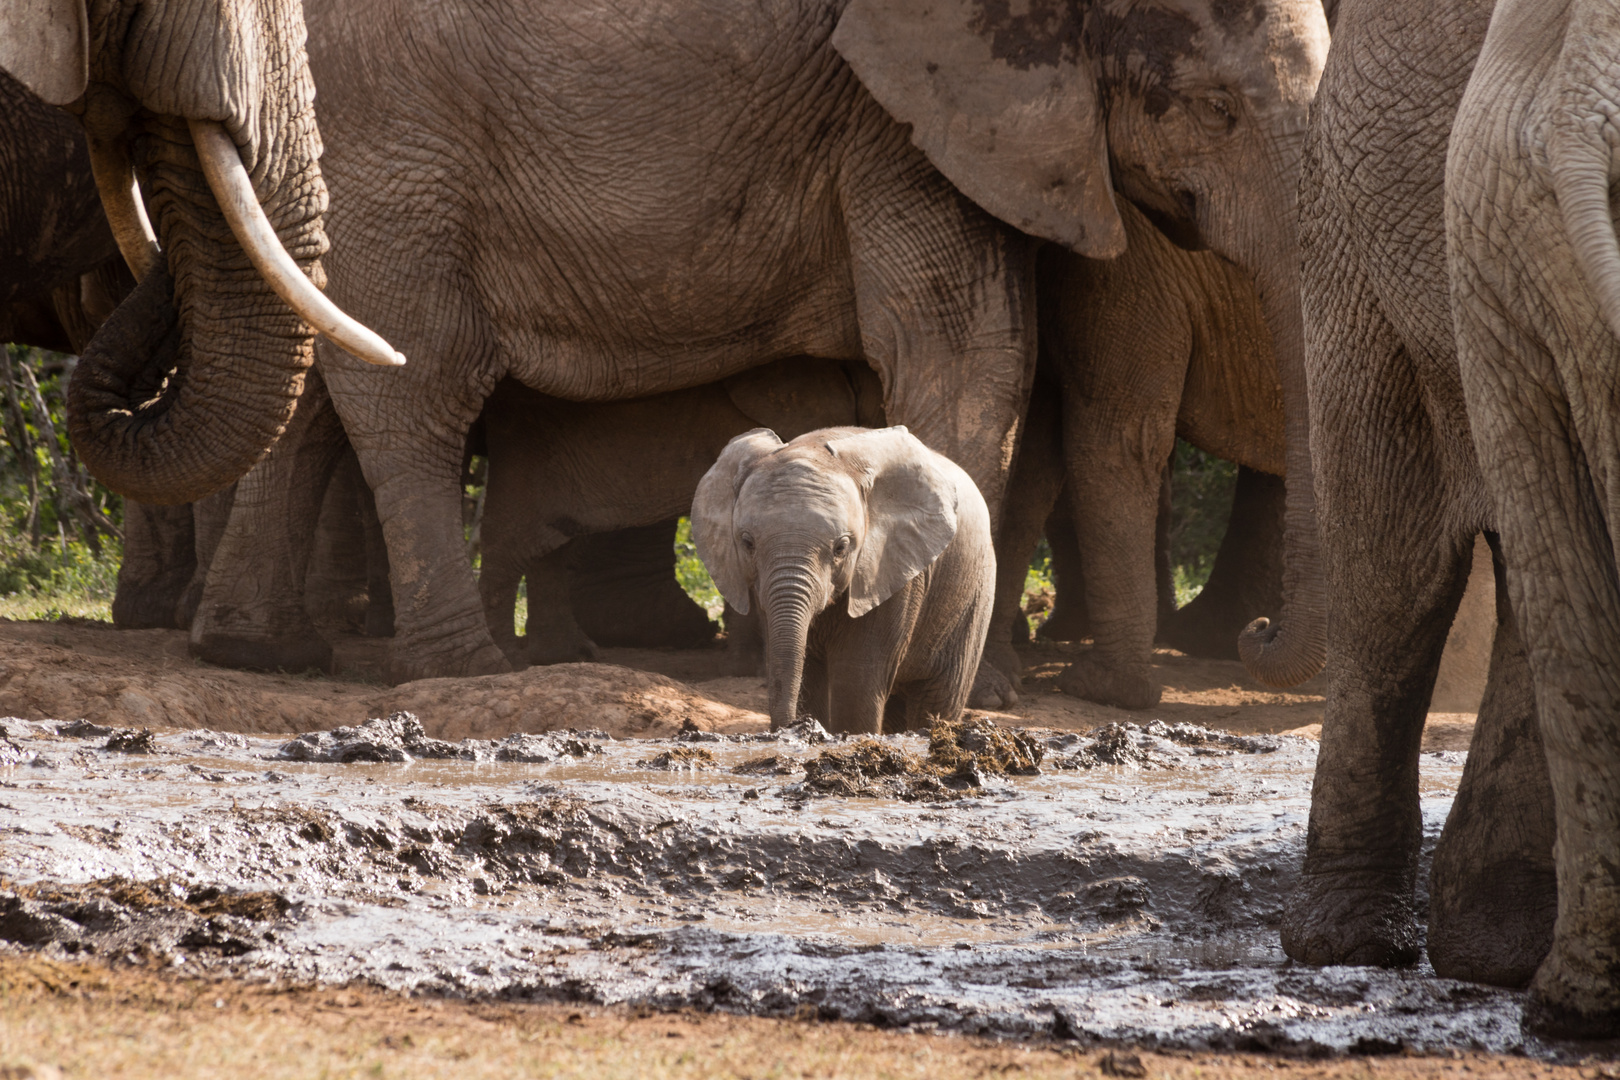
<point>1201,490</point>
<point>693,577</point>
<point>60,530</point>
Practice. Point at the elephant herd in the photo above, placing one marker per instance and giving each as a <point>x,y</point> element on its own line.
<point>1046,238</point>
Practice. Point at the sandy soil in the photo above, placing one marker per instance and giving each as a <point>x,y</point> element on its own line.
<point>144,678</point>
<point>82,1020</point>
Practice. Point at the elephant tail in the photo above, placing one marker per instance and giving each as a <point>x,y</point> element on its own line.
<point>1581,150</point>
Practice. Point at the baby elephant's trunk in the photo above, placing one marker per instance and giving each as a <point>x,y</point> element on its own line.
<point>788,611</point>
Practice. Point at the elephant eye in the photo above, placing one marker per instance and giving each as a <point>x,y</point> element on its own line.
<point>747,543</point>
<point>1216,111</point>
<point>841,547</point>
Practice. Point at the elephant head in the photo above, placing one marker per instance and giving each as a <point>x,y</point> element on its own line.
<point>206,106</point>
<point>1043,111</point>
<point>795,526</point>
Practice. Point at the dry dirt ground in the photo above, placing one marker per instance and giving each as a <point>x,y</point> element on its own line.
<point>144,678</point>
<point>62,1019</point>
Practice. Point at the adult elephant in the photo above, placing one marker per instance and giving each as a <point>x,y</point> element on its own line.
<point>209,105</point>
<point>608,204</point>
<point>1401,502</point>
<point>1535,284</point>
<point>1119,388</point>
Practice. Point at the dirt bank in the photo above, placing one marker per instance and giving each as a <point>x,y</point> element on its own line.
<point>144,678</point>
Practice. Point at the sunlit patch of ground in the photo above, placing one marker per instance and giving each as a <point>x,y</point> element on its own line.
<point>62,1019</point>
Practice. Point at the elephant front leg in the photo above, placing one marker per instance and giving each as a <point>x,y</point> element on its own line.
<point>251,613</point>
<point>1396,563</point>
<point>1115,472</point>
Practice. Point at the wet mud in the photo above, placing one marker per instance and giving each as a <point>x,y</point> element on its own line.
<point>1124,884</point>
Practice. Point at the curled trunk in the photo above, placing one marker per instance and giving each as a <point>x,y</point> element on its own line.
<point>179,396</point>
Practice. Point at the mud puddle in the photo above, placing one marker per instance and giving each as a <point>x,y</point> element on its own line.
<point>1129,889</point>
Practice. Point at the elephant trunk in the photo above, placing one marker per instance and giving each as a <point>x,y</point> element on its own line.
<point>789,608</point>
<point>1583,164</point>
<point>1286,651</point>
<point>174,400</point>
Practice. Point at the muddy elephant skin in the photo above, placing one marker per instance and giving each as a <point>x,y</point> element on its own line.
<point>1401,502</point>
<point>1535,288</point>
<point>870,561</point>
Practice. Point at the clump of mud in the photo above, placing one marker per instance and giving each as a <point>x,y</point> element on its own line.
<point>767,765</point>
<point>681,758</point>
<point>400,738</point>
<point>84,729</point>
<point>123,916</point>
<point>976,746</point>
<point>1156,746</point>
<point>130,741</point>
<point>873,769</point>
<point>12,753</point>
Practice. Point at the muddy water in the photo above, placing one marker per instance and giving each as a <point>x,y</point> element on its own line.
<point>1134,901</point>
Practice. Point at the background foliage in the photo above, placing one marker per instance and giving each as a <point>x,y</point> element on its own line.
<point>60,530</point>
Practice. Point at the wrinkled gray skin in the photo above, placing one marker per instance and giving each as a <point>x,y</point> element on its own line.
<point>60,272</point>
<point>558,469</point>
<point>1535,279</point>
<point>236,351</point>
<point>1155,343</point>
<point>653,245</point>
<point>1401,501</point>
<point>869,559</point>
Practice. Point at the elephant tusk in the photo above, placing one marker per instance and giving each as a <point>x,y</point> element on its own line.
<point>222,165</point>
<point>126,213</point>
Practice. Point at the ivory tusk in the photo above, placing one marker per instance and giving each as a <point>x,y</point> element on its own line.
<point>126,213</point>
<point>222,165</point>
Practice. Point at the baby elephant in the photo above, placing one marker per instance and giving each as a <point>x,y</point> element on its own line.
<point>873,516</point>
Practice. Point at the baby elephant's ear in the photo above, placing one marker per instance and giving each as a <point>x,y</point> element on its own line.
<point>910,512</point>
<point>716,497</point>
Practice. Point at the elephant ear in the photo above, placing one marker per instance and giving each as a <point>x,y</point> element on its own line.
<point>1005,105</point>
<point>910,511</point>
<point>712,532</point>
<point>45,45</point>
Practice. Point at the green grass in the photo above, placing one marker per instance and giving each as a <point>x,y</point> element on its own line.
<point>57,579</point>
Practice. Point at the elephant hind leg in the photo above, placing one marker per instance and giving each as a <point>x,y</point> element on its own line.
<point>1493,892</point>
<point>552,636</point>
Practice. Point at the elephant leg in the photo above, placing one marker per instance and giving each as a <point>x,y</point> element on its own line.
<point>1493,891</point>
<point>209,517</point>
<point>551,635</point>
<point>335,586</point>
<point>625,593</point>
<point>1396,564</point>
<point>1115,474</point>
<point>160,559</point>
<point>1549,472</point>
<point>1036,480</point>
<point>252,610</point>
<point>1246,578</point>
<point>945,299</point>
<point>379,595</point>
<point>815,697</point>
<point>1068,620</point>
<point>1164,579</point>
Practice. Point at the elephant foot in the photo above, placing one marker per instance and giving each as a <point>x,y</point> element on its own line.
<point>408,665</point>
<point>264,654</point>
<point>992,689</point>
<point>1579,1001</point>
<point>147,607</point>
<point>1493,925</point>
<point>1097,680</point>
<point>1330,922</point>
